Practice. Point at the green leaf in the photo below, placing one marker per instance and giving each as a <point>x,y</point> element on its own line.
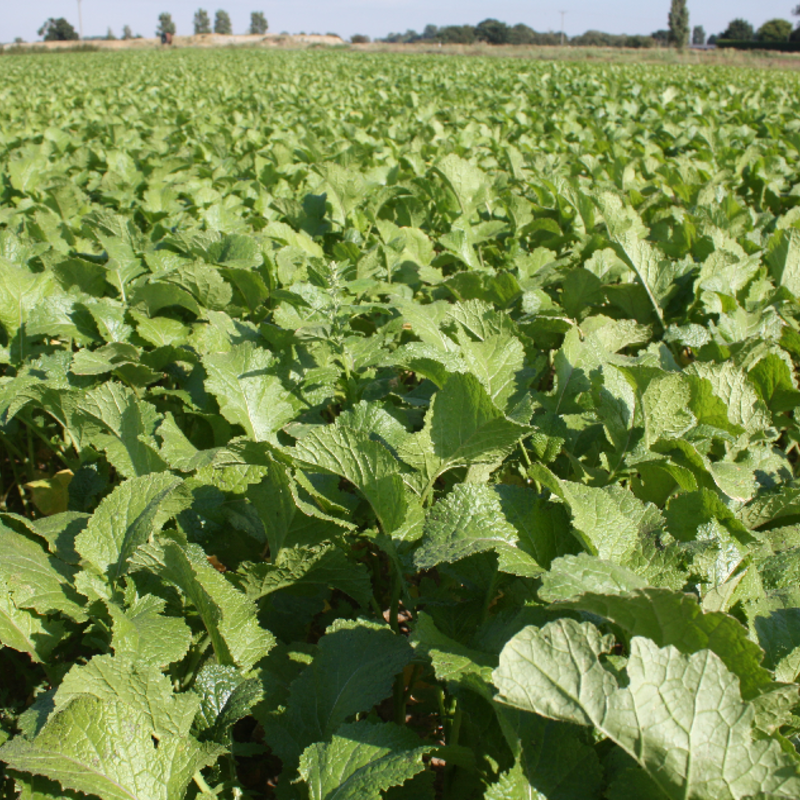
<point>325,565</point>
<point>107,749</point>
<point>225,698</point>
<point>470,520</point>
<point>731,385</point>
<point>467,428</point>
<point>495,362</point>
<point>681,717</point>
<point>228,615</point>
<point>552,763</point>
<point>27,631</point>
<point>783,259</point>
<point>361,761</point>
<point>143,633</point>
<point>666,617</point>
<point>453,662</point>
<point>247,393</point>
<point>127,425</point>
<point>22,291</point>
<point>140,687</point>
<point>127,518</point>
<point>367,464</point>
<point>655,271</point>
<point>35,579</point>
<point>611,522</point>
<point>689,511</point>
<point>354,668</point>
<point>468,182</point>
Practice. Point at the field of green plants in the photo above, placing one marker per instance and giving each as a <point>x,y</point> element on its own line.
<point>399,427</point>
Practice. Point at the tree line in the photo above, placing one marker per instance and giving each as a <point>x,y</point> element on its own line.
<point>774,30</point>
<point>61,30</point>
<point>677,33</point>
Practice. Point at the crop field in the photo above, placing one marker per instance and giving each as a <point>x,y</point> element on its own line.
<point>406,427</point>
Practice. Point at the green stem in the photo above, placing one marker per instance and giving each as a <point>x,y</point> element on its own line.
<point>525,455</point>
<point>373,603</point>
<point>455,724</point>
<point>31,460</point>
<point>9,445</point>
<point>33,428</point>
<point>394,607</point>
<point>201,784</point>
<point>399,696</point>
<point>20,489</point>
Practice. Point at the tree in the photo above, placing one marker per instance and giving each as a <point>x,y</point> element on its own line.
<point>359,38</point>
<point>222,23</point>
<point>456,34</point>
<point>492,31</point>
<point>738,29</point>
<point>430,32</point>
<point>258,23</point>
<point>58,30</point>
<point>202,22</point>
<point>165,25</point>
<point>679,23</point>
<point>110,36</point>
<point>127,33</point>
<point>775,30</point>
<point>522,34</point>
<point>699,35</point>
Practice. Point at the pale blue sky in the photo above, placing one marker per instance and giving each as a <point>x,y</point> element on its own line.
<point>379,17</point>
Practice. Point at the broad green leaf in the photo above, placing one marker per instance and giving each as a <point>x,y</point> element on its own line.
<point>666,617</point>
<point>551,761</point>
<point>611,522</point>
<point>127,518</point>
<point>468,182</point>
<point>22,291</point>
<point>143,633</point>
<point>467,428</point>
<point>354,668</point>
<point>495,362</point>
<point>470,520</point>
<point>127,425</point>
<point>453,662</point>
<point>247,392</point>
<point>225,697</point>
<point>326,566</point>
<point>140,687</point>
<point>693,735</point>
<point>731,385</point>
<point>367,464</point>
<point>35,579</point>
<point>691,510</point>
<point>783,259</point>
<point>228,615</point>
<point>361,761</point>
<point>107,749</point>
<point>27,631</point>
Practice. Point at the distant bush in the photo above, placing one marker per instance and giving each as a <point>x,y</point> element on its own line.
<point>456,34</point>
<point>58,30</point>
<point>775,30</point>
<point>359,38</point>
<point>791,46</point>
<point>600,39</point>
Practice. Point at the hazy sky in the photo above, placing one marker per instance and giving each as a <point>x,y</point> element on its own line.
<point>379,17</point>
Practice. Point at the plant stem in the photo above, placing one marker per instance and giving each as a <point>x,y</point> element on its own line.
<point>201,784</point>
<point>399,696</point>
<point>20,489</point>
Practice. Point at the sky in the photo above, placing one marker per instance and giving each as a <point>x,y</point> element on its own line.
<point>376,18</point>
